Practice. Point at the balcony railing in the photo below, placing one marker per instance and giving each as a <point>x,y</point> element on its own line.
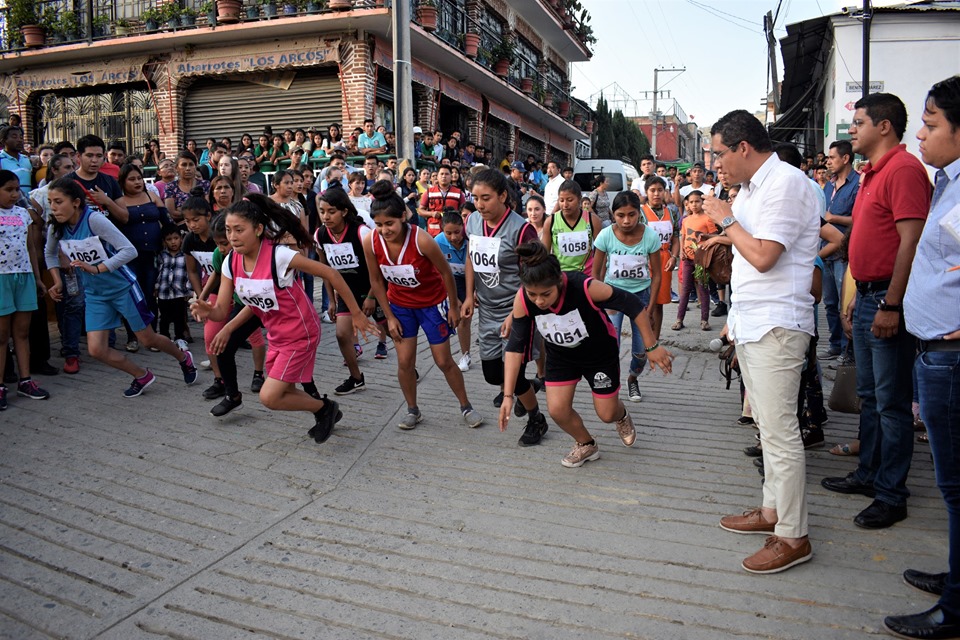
<point>453,24</point>
<point>70,21</point>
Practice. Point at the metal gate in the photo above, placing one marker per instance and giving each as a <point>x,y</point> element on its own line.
<point>497,138</point>
<point>126,115</point>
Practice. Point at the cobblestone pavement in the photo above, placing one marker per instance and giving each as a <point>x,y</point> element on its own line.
<point>148,518</point>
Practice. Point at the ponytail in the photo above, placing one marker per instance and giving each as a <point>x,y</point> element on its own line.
<point>277,221</point>
<point>386,201</point>
<point>538,266</point>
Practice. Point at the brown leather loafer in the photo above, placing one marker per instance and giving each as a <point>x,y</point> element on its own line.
<point>777,556</point>
<point>748,522</point>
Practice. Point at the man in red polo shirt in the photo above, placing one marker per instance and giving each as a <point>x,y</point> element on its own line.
<point>437,198</point>
<point>888,217</point>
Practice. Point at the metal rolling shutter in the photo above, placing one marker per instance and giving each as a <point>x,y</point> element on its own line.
<point>217,108</point>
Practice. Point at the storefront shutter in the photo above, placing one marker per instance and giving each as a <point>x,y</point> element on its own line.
<point>217,108</point>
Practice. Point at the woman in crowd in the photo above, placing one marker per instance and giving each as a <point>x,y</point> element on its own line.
<point>187,180</point>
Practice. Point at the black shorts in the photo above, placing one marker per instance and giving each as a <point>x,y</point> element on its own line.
<point>603,376</point>
<point>343,310</point>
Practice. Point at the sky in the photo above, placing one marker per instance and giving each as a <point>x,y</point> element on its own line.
<point>719,42</point>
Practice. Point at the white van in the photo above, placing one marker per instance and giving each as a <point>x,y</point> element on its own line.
<point>619,173</point>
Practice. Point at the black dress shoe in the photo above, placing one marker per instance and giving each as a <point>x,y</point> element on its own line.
<point>929,625</point>
<point>849,484</point>
<point>929,582</point>
<point>880,515</point>
<point>45,369</point>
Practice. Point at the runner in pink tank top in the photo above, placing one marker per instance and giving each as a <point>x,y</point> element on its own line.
<point>414,285</point>
<point>262,272</point>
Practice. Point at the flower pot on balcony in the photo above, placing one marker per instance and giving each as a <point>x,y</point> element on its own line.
<point>228,11</point>
<point>289,9</point>
<point>471,44</point>
<point>253,13</point>
<point>270,10</point>
<point>563,108</point>
<point>150,24</point>
<point>427,16</point>
<point>314,7</point>
<point>526,85</point>
<point>578,120</point>
<point>173,23</point>
<point>502,68</point>
<point>340,5</point>
<point>33,35</point>
<point>588,126</point>
<point>548,99</point>
<point>121,30</point>
<point>188,21</point>
<point>212,18</point>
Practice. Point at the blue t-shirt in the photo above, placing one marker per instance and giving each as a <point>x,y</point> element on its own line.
<point>456,257</point>
<point>371,142</point>
<point>631,273</point>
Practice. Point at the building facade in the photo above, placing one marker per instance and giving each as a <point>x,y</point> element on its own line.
<point>308,67</point>
<point>678,138</point>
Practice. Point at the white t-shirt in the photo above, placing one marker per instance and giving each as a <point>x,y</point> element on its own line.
<point>551,193</point>
<point>41,196</point>
<point>282,256</point>
<point>775,204</point>
<point>14,256</point>
<point>704,189</point>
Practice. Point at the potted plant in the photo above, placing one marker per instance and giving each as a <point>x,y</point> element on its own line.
<point>101,26</point>
<point>151,19</point>
<point>588,126</point>
<point>314,7</point>
<point>68,27</point>
<point>526,85</point>
<point>340,5</point>
<point>188,17</point>
<point>209,10</point>
<point>427,15</point>
<point>578,120</point>
<point>563,108</point>
<point>471,44</point>
<point>502,55</point>
<point>24,23</point>
<point>547,99</point>
<point>269,8</point>
<point>121,27</point>
<point>170,14</point>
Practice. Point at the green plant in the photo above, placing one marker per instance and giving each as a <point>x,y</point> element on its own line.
<point>122,23</point>
<point>268,2</point>
<point>189,11</point>
<point>22,12</point>
<point>68,24</point>
<point>503,51</point>
<point>101,22</point>
<point>170,11</point>
<point>427,3</point>
<point>207,7</point>
<point>48,19</point>
<point>152,15</point>
<point>538,92</point>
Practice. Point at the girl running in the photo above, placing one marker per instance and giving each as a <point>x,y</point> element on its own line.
<point>628,256</point>
<point>19,283</point>
<point>421,293</point>
<point>567,308</point>
<point>340,240</point>
<point>262,272</point>
<point>99,253</point>
<point>570,232</point>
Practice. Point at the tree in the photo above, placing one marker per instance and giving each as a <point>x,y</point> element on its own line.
<point>618,137</point>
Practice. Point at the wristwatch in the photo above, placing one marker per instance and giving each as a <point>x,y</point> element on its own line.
<point>885,306</point>
<point>728,221</point>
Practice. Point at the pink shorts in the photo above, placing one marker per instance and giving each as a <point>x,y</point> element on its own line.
<point>292,365</point>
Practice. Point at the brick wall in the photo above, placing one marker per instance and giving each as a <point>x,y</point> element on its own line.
<point>424,107</point>
<point>358,80</point>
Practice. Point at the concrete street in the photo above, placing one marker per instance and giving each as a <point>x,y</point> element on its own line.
<point>148,518</point>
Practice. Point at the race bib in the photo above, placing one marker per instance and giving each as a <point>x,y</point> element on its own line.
<point>664,230</point>
<point>401,275</point>
<point>484,254</point>
<point>89,250</point>
<point>630,267</point>
<point>567,330</point>
<point>205,260</point>
<point>258,294</point>
<point>458,269</point>
<point>341,256</point>
<point>574,243</point>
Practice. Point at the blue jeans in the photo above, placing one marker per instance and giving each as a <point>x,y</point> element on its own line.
<point>70,312</point>
<point>938,381</point>
<point>832,284</point>
<point>885,388</point>
<point>308,281</point>
<point>638,359</point>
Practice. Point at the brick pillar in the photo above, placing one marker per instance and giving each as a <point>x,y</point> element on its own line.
<point>425,107</point>
<point>169,105</point>
<point>474,127</point>
<point>356,68</point>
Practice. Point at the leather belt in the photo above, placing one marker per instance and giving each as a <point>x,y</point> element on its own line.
<point>939,345</point>
<point>870,287</point>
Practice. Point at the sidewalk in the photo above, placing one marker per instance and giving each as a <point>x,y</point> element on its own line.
<point>148,518</point>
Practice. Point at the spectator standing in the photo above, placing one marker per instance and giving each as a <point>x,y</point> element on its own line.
<point>11,159</point>
<point>773,226</point>
<point>551,192</point>
<point>371,141</point>
<point>439,197</point>
<point>601,200</point>
<point>888,217</point>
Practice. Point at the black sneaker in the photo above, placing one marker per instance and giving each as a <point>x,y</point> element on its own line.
<point>350,385</point>
<point>497,401</point>
<point>536,427</point>
<point>633,391</point>
<point>216,390</point>
<point>227,405</point>
<point>326,417</point>
<point>257,383</point>
<point>518,409</point>
<point>3,397</point>
<point>754,451</point>
<point>538,384</point>
<point>812,437</point>
<point>720,310</point>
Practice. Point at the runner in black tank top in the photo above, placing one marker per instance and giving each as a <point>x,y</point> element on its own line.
<point>568,309</point>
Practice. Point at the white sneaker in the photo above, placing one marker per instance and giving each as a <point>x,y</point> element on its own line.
<point>205,364</point>
<point>326,317</point>
<point>464,363</point>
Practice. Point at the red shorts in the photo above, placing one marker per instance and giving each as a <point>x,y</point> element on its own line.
<point>292,365</point>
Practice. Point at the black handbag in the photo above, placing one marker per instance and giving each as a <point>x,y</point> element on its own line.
<point>843,397</point>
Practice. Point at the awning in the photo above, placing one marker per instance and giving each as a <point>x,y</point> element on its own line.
<point>534,130</point>
<point>461,93</point>
<point>96,73</point>
<point>501,112</point>
<point>419,72</point>
<point>237,59</point>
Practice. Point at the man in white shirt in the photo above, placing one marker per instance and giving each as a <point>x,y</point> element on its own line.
<point>774,226</point>
<point>551,192</point>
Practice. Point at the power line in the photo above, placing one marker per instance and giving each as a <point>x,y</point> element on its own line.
<point>725,16</point>
<point>670,32</point>
<point>636,17</point>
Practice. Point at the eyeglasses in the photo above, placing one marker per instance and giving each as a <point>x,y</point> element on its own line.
<point>730,148</point>
<point>857,123</point>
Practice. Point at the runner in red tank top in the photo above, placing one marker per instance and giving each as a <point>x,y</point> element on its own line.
<point>414,285</point>
<point>261,270</point>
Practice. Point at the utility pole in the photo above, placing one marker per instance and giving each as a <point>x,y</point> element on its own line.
<point>655,113</point>
<point>867,19</point>
<point>402,81</point>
